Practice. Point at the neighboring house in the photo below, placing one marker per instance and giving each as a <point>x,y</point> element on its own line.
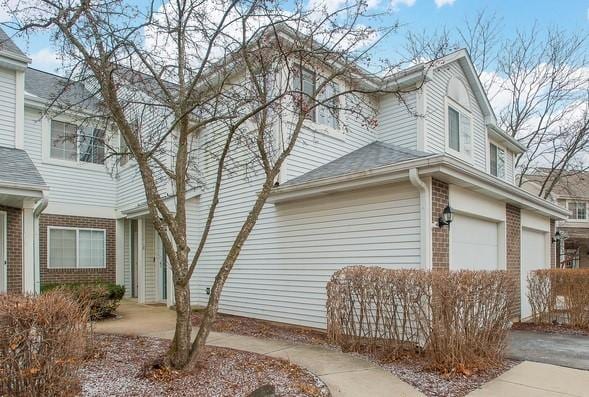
<point>359,196</point>
<point>571,192</point>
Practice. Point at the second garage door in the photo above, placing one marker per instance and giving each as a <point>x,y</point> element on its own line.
<point>533,256</point>
<point>474,243</point>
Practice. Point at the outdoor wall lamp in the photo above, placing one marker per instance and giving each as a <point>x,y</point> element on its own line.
<point>558,236</point>
<point>446,218</point>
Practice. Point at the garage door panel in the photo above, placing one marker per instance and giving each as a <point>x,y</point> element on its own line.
<point>533,256</point>
<point>474,244</point>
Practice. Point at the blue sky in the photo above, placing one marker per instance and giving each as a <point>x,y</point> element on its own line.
<point>420,15</point>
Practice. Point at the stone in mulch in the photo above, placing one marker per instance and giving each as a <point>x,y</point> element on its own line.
<point>124,367</point>
<point>411,370</point>
<point>551,329</point>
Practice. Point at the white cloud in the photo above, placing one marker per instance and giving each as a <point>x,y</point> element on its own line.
<point>45,59</point>
<point>395,4</point>
<point>442,3</point>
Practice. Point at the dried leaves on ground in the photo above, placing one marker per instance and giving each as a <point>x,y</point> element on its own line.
<point>126,369</point>
<point>551,328</point>
<point>263,329</point>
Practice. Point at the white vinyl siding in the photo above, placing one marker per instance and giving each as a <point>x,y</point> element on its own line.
<point>7,107</point>
<point>436,116</point>
<point>80,184</point>
<point>76,248</point>
<point>283,269</point>
<point>397,120</point>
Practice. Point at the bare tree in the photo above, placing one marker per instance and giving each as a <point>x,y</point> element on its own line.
<point>211,88</point>
<point>539,79</point>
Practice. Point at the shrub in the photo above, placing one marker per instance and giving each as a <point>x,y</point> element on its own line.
<point>559,295</point>
<point>101,298</point>
<point>459,320</point>
<point>42,338</point>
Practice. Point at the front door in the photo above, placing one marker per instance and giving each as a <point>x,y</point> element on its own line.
<point>134,257</point>
<point>3,258</point>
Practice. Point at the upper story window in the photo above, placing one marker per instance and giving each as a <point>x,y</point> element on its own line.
<point>459,120</point>
<point>497,161</point>
<point>578,210</point>
<point>327,113</point>
<point>72,143</point>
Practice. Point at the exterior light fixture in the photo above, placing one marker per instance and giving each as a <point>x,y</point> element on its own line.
<point>446,218</point>
<point>558,236</point>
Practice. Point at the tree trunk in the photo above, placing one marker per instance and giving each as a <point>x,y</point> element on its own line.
<point>179,353</point>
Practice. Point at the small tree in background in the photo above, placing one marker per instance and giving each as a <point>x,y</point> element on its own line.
<point>199,90</point>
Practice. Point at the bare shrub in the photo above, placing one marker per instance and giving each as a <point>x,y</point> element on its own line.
<point>559,295</point>
<point>471,311</point>
<point>42,338</point>
<point>459,320</point>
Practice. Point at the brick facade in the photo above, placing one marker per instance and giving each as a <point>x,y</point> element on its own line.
<point>440,236</point>
<point>49,276</point>
<point>14,248</point>
<point>513,252</point>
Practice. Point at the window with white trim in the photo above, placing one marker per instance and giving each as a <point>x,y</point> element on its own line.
<point>327,113</point>
<point>72,143</point>
<point>497,161</point>
<point>578,210</point>
<point>73,248</point>
<point>459,131</point>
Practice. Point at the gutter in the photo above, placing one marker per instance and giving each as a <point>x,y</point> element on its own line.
<point>425,217</point>
<point>41,206</point>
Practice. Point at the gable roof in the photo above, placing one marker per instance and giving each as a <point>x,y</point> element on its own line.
<point>374,155</point>
<point>10,50</point>
<point>570,185</point>
<point>17,168</point>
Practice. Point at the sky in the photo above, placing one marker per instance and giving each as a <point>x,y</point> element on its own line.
<point>414,15</point>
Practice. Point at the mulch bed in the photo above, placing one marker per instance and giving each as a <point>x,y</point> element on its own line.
<point>411,370</point>
<point>551,329</point>
<point>263,329</point>
<point>123,366</point>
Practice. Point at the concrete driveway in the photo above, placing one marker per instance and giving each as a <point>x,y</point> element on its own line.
<point>557,349</point>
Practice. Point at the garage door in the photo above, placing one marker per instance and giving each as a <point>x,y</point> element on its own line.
<point>533,257</point>
<point>473,243</point>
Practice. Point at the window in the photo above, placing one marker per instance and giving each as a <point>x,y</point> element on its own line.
<point>459,131</point>
<point>326,114</point>
<point>76,248</point>
<point>92,145</point>
<point>71,143</point>
<point>63,141</point>
<point>578,210</point>
<point>497,156</point>
<point>453,129</point>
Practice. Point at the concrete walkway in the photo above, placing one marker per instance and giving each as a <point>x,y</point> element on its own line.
<point>344,374</point>
<point>564,350</point>
<point>532,379</point>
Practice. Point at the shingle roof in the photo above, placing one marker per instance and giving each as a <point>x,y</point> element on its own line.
<point>16,167</point>
<point>373,155</point>
<point>49,86</point>
<point>570,184</point>
<point>7,45</point>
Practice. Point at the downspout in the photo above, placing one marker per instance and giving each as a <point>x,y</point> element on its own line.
<point>425,217</point>
<point>41,205</point>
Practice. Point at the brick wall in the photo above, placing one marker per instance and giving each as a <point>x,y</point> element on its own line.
<point>440,236</point>
<point>14,248</point>
<point>49,276</point>
<point>513,252</point>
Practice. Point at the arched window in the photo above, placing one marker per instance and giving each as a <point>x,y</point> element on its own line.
<point>458,119</point>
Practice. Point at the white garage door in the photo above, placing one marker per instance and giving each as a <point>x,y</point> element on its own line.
<point>533,256</point>
<point>473,243</point>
